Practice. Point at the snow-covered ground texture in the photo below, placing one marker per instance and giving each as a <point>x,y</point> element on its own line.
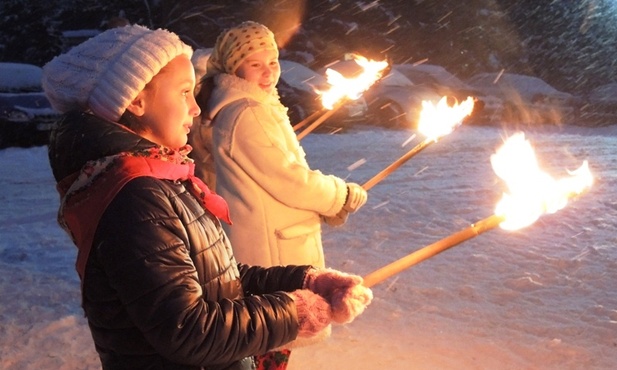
<point>544,297</point>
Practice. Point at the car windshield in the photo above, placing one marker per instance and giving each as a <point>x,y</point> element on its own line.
<point>528,83</point>
<point>441,75</point>
<point>419,78</point>
<point>18,77</point>
<point>518,82</point>
<point>396,78</point>
<point>301,77</point>
<point>29,100</point>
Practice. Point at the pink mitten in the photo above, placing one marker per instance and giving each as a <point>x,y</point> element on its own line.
<point>314,312</point>
<point>326,281</point>
<point>345,292</point>
<point>349,303</point>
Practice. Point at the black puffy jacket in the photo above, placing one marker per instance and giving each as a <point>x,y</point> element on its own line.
<point>161,288</point>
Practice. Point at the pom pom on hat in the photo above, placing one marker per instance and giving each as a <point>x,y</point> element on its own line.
<point>105,73</point>
<point>236,44</point>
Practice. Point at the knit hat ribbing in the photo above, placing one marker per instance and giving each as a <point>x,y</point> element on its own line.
<point>105,73</point>
<point>236,44</point>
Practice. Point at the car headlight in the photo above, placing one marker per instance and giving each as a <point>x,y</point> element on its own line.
<point>14,115</point>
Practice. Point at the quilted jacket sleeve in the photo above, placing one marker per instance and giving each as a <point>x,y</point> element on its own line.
<point>260,280</point>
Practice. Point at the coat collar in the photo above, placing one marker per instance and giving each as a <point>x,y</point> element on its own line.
<point>80,137</point>
<point>230,88</point>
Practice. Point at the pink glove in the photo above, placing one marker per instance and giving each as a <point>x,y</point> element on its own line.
<point>314,312</point>
<point>347,296</point>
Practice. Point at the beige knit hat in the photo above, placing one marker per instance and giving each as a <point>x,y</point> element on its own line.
<point>235,44</point>
<point>105,73</point>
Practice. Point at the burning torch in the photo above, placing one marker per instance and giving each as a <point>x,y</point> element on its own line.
<point>342,89</point>
<point>435,122</point>
<point>532,193</point>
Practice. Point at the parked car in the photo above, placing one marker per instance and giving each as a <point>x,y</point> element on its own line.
<point>527,99</point>
<point>600,106</point>
<point>394,101</point>
<point>200,63</point>
<point>298,88</point>
<point>487,108</point>
<point>26,116</point>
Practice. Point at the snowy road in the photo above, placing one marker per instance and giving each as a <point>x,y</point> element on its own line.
<point>544,297</point>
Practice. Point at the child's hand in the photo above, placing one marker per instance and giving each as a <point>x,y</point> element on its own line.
<point>347,296</point>
<point>356,197</point>
<point>314,312</point>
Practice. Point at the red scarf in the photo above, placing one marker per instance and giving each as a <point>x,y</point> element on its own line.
<point>86,195</point>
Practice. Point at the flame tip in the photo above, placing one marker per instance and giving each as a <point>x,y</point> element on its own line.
<point>532,192</point>
<point>440,119</point>
<point>351,88</point>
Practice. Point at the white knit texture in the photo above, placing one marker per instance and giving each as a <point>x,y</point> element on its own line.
<point>105,73</point>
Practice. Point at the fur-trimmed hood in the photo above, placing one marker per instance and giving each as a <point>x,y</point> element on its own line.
<point>230,88</point>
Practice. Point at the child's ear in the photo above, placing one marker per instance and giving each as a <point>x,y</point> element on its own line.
<point>138,105</point>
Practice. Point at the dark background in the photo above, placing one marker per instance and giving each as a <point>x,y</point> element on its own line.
<point>570,44</point>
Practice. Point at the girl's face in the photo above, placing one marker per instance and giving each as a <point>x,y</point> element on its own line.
<point>261,68</point>
<point>165,108</point>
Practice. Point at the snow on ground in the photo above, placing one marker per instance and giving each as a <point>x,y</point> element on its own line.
<point>543,297</point>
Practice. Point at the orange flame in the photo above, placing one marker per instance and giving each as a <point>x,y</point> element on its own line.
<point>441,119</point>
<point>351,88</point>
<point>532,192</point>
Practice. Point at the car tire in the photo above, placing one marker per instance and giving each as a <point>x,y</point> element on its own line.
<point>390,114</point>
<point>511,114</point>
<point>3,141</point>
<point>296,113</point>
<point>9,135</point>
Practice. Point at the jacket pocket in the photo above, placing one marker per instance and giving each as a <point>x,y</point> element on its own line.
<point>300,244</point>
<point>301,228</point>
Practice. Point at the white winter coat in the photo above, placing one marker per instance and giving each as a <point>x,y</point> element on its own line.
<point>275,199</point>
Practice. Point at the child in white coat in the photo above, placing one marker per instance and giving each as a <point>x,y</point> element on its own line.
<point>276,200</point>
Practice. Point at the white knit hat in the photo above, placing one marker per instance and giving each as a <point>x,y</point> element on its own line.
<point>236,44</point>
<point>105,73</point>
